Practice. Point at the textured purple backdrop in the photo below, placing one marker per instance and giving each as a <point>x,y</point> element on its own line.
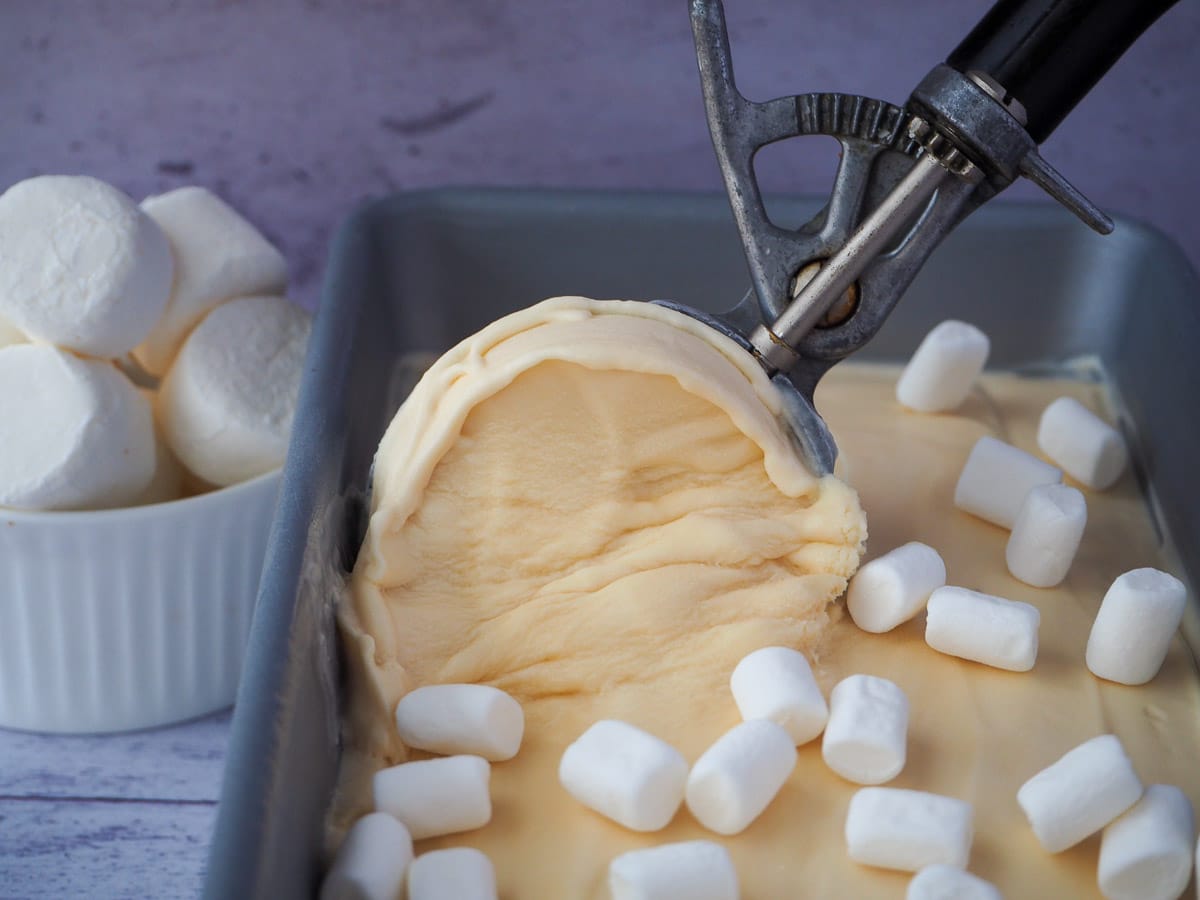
<point>296,111</point>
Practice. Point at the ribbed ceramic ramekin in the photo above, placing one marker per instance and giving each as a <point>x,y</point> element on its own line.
<point>129,618</point>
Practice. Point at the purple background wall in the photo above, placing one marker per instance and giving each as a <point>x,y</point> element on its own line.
<point>296,110</point>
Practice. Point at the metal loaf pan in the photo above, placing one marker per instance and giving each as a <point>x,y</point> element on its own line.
<point>417,272</point>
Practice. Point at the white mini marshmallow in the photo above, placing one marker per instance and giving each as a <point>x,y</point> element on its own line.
<point>942,372</point>
<point>982,628</point>
<point>436,796</point>
<point>867,733</point>
<point>908,830</point>
<point>458,873</point>
<point>74,433</point>
<point>942,882</point>
<point>218,256</point>
<point>227,403</point>
<point>1146,853</point>
<point>1046,535</point>
<point>690,870</point>
<point>1079,794</point>
<point>1084,445</point>
<point>371,862</point>
<point>626,774</point>
<point>461,718</point>
<point>739,775</point>
<point>891,589</point>
<point>777,683</point>
<point>81,266</point>
<point>996,478</point>
<point>10,333</point>
<point>1133,629</point>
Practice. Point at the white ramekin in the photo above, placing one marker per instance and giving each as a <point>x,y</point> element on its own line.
<point>129,618</point>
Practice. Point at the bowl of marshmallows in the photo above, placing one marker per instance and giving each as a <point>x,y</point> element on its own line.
<point>149,370</point>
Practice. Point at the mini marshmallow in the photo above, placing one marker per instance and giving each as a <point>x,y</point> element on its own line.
<point>891,589</point>
<point>1079,794</point>
<point>10,333</point>
<point>777,683</point>
<point>738,776</point>
<point>75,433</point>
<point>626,774</point>
<point>1133,629</point>
<point>1046,535</point>
<point>461,718</point>
<point>942,882</point>
<point>436,796</point>
<point>996,478</point>
<point>1084,445</point>
<point>81,266</point>
<point>866,736</point>
<point>942,372</point>
<point>218,256</point>
<point>227,403</point>
<point>371,862</point>
<point>459,873</point>
<point>690,870</point>
<point>982,628</point>
<point>1146,853</point>
<point>908,830</point>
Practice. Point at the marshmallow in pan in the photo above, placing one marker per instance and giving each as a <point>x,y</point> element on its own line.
<point>1080,793</point>
<point>1133,629</point>
<point>10,333</point>
<point>81,266</point>
<point>1046,535</point>
<point>891,589</point>
<point>942,882</point>
<point>461,718</point>
<point>982,628</point>
<point>777,683</point>
<point>942,372</point>
<point>626,774</point>
<point>689,870</point>
<point>218,256</point>
<point>458,873</point>
<point>436,796</point>
<point>75,433</point>
<point>996,478</point>
<point>371,862</point>
<point>226,405</point>
<point>1146,853</point>
<point>908,830</point>
<point>867,734</point>
<point>1088,448</point>
<point>738,776</point>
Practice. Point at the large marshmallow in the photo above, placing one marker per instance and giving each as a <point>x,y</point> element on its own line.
<point>1133,629</point>
<point>942,372</point>
<point>996,478</point>
<point>1084,445</point>
<point>372,861</point>
<point>942,882</point>
<point>867,733</point>
<point>777,683</point>
<point>227,403</point>
<point>10,333</point>
<point>626,774</point>
<point>1146,853</point>
<point>457,873</point>
<point>81,266</point>
<point>690,870</point>
<point>74,433</point>
<point>436,796</point>
<point>982,628</point>
<point>218,256</point>
<point>891,589</point>
<point>1079,794</point>
<point>475,719</point>
<point>1046,535</point>
<point>908,830</point>
<point>738,776</point>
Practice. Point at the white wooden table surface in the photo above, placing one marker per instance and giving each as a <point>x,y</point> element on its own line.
<point>109,816</point>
